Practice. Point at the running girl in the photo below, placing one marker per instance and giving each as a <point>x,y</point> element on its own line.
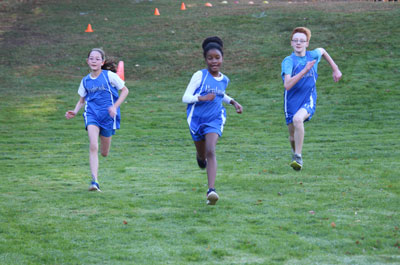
<point>205,113</point>
<point>98,91</point>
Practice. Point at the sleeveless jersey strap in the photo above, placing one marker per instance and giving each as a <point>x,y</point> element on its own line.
<point>203,78</point>
<point>105,76</point>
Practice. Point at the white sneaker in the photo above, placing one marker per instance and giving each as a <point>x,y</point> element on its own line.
<point>212,197</point>
<point>94,186</point>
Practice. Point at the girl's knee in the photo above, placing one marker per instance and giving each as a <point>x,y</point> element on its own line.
<point>93,148</point>
<point>297,121</point>
<point>210,153</point>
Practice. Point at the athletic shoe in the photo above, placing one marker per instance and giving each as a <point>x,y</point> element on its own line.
<point>212,197</point>
<point>94,186</point>
<point>202,163</point>
<point>297,162</point>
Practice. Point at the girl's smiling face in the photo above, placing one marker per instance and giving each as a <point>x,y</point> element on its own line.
<point>214,61</point>
<point>95,61</point>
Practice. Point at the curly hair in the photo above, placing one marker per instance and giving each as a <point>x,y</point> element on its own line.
<point>212,43</point>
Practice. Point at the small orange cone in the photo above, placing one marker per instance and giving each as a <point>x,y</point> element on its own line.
<point>89,28</point>
<point>156,12</point>
<point>120,70</point>
<point>183,7</point>
<point>208,4</point>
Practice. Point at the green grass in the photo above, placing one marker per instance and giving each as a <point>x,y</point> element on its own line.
<point>151,180</point>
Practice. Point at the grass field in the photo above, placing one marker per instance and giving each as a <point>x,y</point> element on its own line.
<point>152,209</point>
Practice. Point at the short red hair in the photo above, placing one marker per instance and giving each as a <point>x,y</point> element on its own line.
<point>303,30</point>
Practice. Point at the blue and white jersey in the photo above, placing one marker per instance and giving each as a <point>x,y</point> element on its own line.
<point>101,93</point>
<point>304,92</point>
<point>208,113</point>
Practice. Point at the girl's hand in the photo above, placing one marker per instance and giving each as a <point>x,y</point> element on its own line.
<point>112,111</point>
<point>337,75</point>
<point>208,97</point>
<point>70,114</point>
<point>310,64</point>
<point>238,107</point>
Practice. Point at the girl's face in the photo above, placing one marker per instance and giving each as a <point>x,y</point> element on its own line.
<point>299,43</point>
<point>95,61</point>
<point>214,60</point>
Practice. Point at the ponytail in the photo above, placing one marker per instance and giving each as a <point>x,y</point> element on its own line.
<point>110,65</point>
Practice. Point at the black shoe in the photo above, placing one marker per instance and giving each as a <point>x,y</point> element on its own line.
<point>202,163</point>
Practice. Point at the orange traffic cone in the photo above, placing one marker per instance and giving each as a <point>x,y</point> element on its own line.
<point>120,70</point>
<point>156,12</point>
<point>183,7</point>
<point>89,28</point>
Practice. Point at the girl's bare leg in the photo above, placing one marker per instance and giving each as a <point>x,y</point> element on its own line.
<point>105,145</point>
<point>93,132</point>
<point>211,142</point>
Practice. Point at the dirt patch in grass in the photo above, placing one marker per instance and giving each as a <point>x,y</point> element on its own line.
<point>10,14</point>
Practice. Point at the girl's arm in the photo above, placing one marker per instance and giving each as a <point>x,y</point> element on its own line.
<point>290,81</point>
<point>71,113</point>
<point>227,99</point>
<point>208,97</point>
<point>336,72</point>
<point>122,96</point>
<point>238,107</point>
<point>194,83</point>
